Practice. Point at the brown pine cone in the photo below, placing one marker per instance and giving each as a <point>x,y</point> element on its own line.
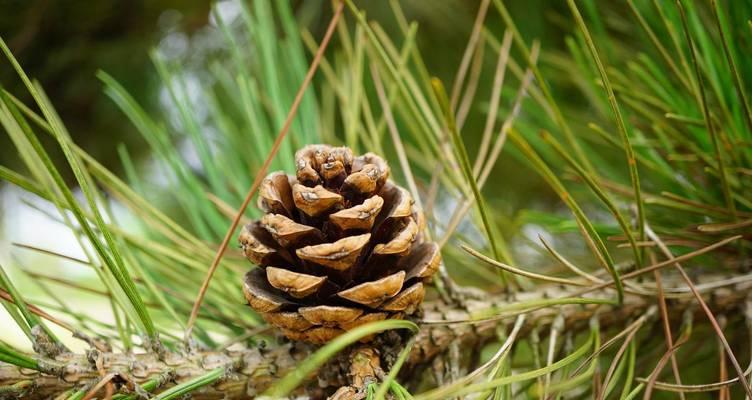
<point>339,246</point>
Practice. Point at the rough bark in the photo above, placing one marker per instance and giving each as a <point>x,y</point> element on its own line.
<point>250,371</point>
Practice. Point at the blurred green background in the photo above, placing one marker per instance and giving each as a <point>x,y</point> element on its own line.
<point>64,44</point>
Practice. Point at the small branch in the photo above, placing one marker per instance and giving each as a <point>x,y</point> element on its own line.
<point>251,371</point>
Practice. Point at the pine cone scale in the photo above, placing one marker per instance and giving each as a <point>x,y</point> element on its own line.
<point>260,294</point>
<point>288,320</point>
<point>360,217</point>
<point>373,293</point>
<point>408,300</point>
<point>424,260</point>
<point>297,284</point>
<point>340,255</point>
<point>316,200</point>
<point>288,233</point>
<point>402,242</point>
<point>275,194</point>
<point>331,316</point>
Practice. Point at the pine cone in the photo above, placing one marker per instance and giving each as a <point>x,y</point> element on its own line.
<point>339,246</point>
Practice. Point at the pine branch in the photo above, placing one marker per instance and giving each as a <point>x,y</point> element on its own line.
<point>250,371</point>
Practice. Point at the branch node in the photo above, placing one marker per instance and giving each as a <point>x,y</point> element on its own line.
<point>44,345</point>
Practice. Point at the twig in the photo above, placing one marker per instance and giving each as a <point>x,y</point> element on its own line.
<point>251,370</point>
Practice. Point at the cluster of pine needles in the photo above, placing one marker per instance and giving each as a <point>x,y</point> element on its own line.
<point>641,129</point>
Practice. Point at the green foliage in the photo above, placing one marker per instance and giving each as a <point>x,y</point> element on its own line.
<point>11,356</point>
<point>653,131</point>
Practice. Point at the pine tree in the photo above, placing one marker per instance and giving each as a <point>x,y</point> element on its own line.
<point>638,285</point>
